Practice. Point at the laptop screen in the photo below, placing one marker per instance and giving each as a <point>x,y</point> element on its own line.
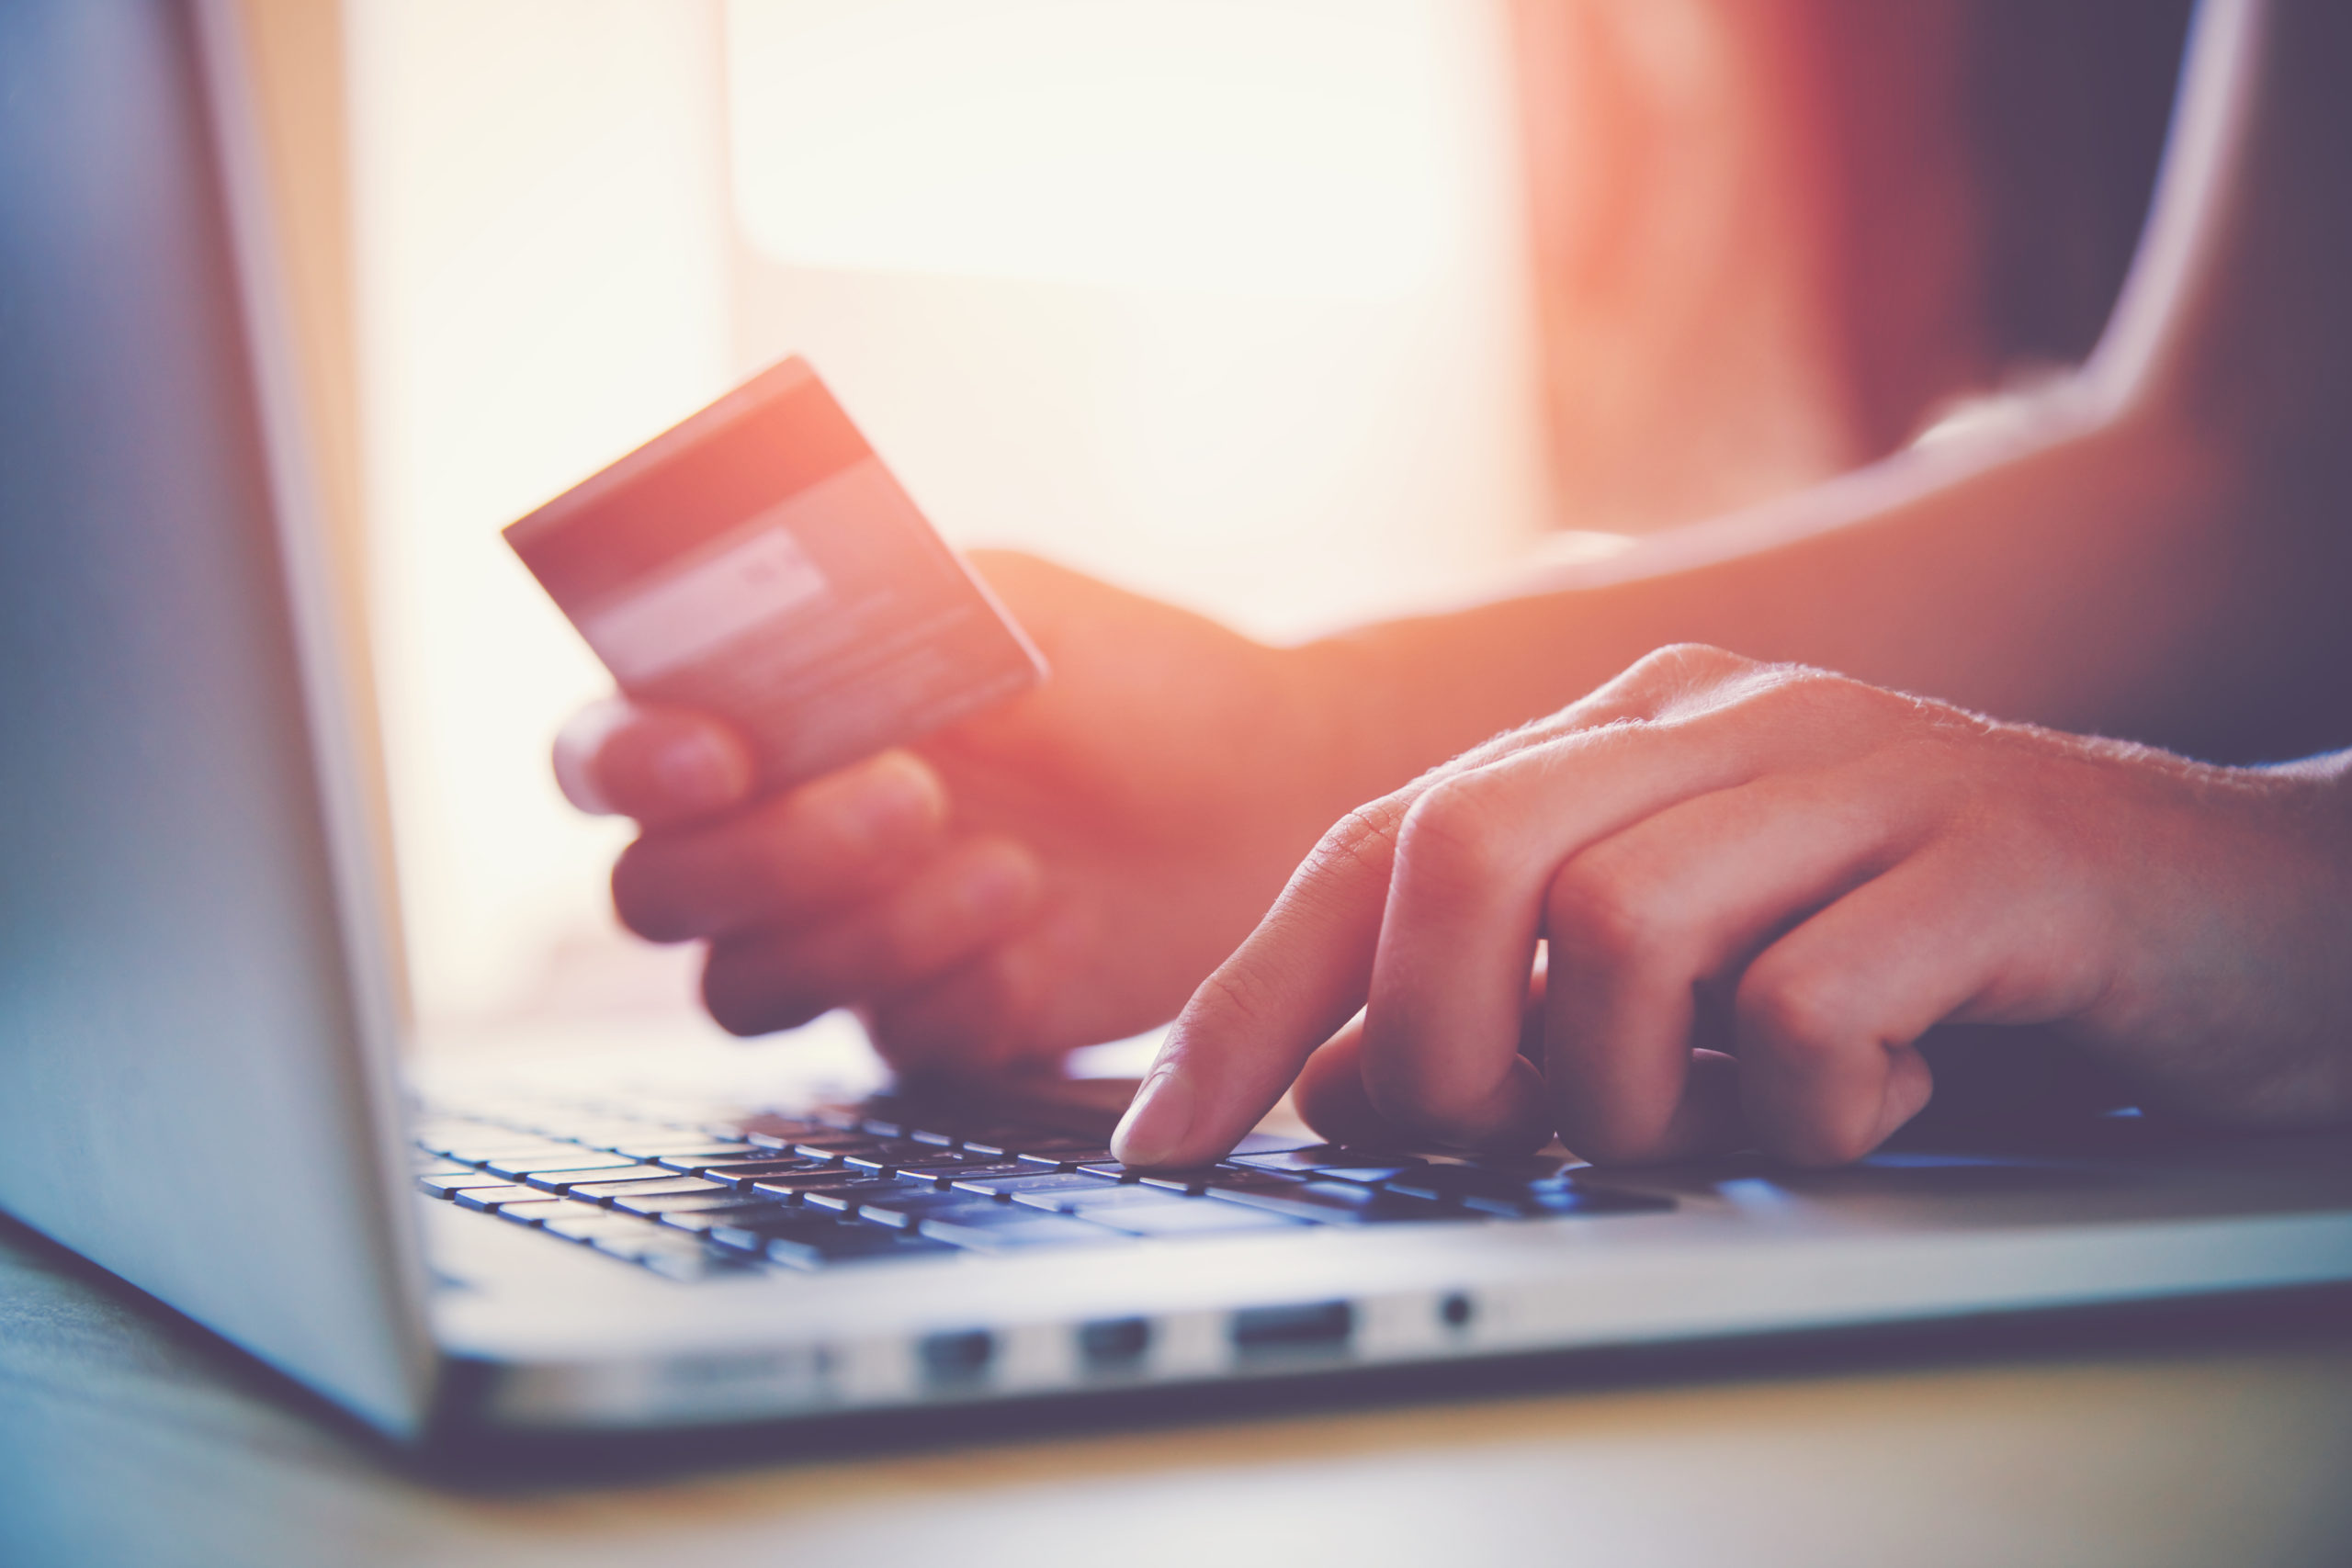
<point>186,1100</point>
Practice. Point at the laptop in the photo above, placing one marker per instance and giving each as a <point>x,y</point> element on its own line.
<point>200,1023</point>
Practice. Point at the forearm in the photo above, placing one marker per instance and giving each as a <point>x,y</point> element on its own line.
<point>2108,576</point>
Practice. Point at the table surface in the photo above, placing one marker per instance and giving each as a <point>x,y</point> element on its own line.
<point>127,1436</point>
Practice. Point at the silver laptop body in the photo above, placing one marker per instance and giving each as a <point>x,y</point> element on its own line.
<point>198,1013</point>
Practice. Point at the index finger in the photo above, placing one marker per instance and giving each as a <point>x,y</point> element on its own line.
<point>1251,1025</point>
<point>1307,967</point>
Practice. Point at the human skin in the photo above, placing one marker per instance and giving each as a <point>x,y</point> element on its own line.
<point>2157,547</point>
<point>1060,871</point>
<point>1759,886</point>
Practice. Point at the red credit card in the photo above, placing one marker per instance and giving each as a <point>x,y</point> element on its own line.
<point>758,562</point>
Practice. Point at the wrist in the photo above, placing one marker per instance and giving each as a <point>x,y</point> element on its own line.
<point>1361,716</point>
<point>1400,697</point>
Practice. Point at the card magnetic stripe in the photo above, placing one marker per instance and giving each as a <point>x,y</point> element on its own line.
<point>769,439</point>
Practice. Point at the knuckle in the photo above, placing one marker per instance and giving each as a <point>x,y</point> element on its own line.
<point>1796,1014</point>
<point>1679,669</point>
<point>1699,659</point>
<point>1363,839</point>
<point>1456,835</point>
<point>1797,695</point>
<point>1599,910</point>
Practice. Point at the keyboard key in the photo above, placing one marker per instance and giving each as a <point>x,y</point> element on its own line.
<point>844,1197</point>
<point>1274,1142</point>
<point>1065,1159</point>
<point>522,1168</point>
<point>1009,1141</point>
<point>989,1166</point>
<point>914,1149</point>
<point>479,1153</point>
<point>1333,1202</point>
<point>600,1136</point>
<point>909,1210</point>
<point>531,1212</point>
<point>743,1173</point>
<point>1201,1178</point>
<point>773,1131</point>
<point>685,1154</point>
<point>751,1231</point>
<point>805,1239</point>
<point>743,1213</point>
<point>609,1176</point>
<point>654,1203</point>
<point>1001,1141</point>
<point>673,1253</point>
<point>939,1173</point>
<point>443,1168</point>
<point>1530,1167</point>
<point>450,1186</point>
<point>1367,1166</point>
<point>1565,1198</point>
<point>928,1158</point>
<point>588,1227</point>
<point>488,1199</point>
<point>1452,1183</point>
<point>852,1244</point>
<point>1366,1175</point>
<point>1084,1145</point>
<point>788,1188</point>
<point>1099,1195</point>
<point>668,1181</point>
<point>1187,1217</point>
<point>1033,1180</point>
<point>1007,1229</point>
<point>834,1146</point>
<point>687,1260</point>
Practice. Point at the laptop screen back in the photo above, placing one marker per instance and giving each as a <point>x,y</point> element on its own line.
<point>184,1094</point>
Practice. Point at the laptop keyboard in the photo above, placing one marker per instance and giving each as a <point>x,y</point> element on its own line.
<point>716,1192</point>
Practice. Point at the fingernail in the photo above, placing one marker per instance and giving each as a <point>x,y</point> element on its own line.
<point>696,772</point>
<point>1155,1125</point>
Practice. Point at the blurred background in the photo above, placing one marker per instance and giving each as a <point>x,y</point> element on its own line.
<point>1293,311</point>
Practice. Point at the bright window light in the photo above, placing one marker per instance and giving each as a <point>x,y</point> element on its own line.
<point>1252,145</point>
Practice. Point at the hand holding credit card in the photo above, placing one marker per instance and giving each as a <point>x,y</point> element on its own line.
<point>758,562</point>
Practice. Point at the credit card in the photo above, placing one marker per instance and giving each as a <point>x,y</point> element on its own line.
<point>758,562</point>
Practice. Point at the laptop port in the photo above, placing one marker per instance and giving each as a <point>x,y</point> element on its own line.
<point>1314,1324</point>
<point>1113,1342</point>
<point>1456,1311</point>
<point>956,1356</point>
